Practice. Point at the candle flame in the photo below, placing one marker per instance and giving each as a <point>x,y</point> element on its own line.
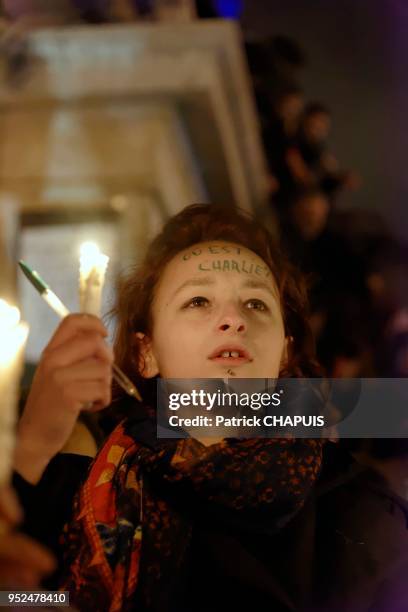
<point>12,342</point>
<point>9,315</point>
<point>90,257</point>
<point>13,333</point>
<point>92,268</point>
<point>89,250</point>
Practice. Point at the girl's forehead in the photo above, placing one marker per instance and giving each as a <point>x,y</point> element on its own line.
<point>212,263</point>
<point>214,257</point>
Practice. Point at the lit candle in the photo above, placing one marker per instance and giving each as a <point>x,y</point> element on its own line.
<point>13,336</point>
<point>92,270</point>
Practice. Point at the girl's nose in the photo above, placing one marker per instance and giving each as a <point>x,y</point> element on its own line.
<point>232,321</point>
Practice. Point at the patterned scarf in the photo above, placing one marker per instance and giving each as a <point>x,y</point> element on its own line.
<point>134,516</point>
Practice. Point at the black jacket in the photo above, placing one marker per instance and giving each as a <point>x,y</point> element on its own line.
<point>346,550</point>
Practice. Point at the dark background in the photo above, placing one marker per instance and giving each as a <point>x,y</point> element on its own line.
<point>357,64</point>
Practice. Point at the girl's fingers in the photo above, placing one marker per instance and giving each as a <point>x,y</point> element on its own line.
<point>10,509</point>
<point>74,325</point>
<point>15,575</point>
<point>78,394</point>
<point>76,349</point>
<point>86,370</point>
<point>20,549</point>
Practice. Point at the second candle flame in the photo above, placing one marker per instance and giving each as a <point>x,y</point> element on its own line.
<point>92,270</point>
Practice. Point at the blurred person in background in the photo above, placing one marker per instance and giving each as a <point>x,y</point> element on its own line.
<point>275,65</point>
<point>310,162</point>
<point>336,275</point>
<point>279,135</point>
<point>308,217</point>
<point>387,282</point>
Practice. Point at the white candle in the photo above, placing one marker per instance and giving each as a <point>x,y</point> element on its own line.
<point>92,270</point>
<point>13,336</point>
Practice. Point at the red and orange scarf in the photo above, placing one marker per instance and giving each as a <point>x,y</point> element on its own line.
<point>134,516</point>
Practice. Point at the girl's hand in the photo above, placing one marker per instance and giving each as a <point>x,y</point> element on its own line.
<point>10,510</point>
<point>23,562</point>
<point>75,372</point>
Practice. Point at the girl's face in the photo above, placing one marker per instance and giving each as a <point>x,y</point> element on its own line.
<point>216,314</point>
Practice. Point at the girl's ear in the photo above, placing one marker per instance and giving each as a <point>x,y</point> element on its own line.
<point>148,367</point>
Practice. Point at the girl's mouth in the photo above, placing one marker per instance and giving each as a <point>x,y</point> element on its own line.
<point>230,355</point>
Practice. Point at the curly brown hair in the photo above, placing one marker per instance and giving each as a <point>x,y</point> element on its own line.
<point>203,223</point>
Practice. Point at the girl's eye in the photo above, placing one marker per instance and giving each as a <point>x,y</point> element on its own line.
<point>197,302</point>
<point>256,305</point>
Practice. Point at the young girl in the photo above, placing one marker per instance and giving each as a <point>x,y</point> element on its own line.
<point>179,524</point>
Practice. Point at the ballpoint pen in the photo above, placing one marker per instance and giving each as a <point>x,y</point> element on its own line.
<point>62,311</point>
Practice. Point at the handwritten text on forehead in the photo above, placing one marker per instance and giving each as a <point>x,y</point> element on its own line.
<point>226,265</point>
<point>215,249</point>
<point>231,265</point>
